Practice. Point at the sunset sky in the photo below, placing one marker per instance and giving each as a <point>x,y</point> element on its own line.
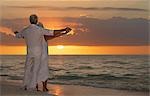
<point>99,26</point>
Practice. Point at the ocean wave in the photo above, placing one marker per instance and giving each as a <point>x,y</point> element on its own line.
<point>114,84</point>
<point>4,75</point>
<point>115,62</point>
<point>104,81</point>
<point>15,77</point>
<point>108,77</point>
<point>92,77</point>
<point>55,69</point>
<point>67,77</point>
<point>2,67</point>
<point>84,67</point>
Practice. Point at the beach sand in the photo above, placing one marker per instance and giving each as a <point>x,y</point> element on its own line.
<point>13,88</point>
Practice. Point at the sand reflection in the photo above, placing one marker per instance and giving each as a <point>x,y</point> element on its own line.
<point>56,90</point>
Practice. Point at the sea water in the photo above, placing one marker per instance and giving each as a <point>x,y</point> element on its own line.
<point>129,72</point>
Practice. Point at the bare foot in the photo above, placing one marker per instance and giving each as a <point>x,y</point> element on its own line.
<point>45,89</point>
<point>25,88</point>
<point>45,86</point>
<point>37,89</point>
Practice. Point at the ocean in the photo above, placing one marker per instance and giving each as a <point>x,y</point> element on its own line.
<point>127,72</point>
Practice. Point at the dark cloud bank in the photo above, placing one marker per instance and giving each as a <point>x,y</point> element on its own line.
<point>113,31</point>
<point>81,8</point>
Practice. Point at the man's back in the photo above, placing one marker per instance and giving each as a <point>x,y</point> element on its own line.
<point>33,36</point>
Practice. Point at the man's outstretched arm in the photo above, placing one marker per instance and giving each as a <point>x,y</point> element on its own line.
<point>54,33</point>
<point>18,34</point>
<point>61,31</point>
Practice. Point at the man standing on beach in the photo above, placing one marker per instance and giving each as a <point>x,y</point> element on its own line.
<point>33,36</point>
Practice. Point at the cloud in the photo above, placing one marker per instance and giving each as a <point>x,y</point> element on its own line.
<point>124,9</point>
<point>6,30</point>
<point>10,40</point>
<point>82,8</point>
<point>90,31</point>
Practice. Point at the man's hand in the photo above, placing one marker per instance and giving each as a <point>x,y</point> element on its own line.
<point>61,31</point>
<point>68,29</point>
<point>16,32</point>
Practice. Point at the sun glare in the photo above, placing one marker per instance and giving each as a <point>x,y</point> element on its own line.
<point>60,47</point>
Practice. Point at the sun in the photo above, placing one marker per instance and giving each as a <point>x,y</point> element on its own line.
<point>60,47</point>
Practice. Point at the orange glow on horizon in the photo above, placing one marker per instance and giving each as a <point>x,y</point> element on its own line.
<point>81,50</point>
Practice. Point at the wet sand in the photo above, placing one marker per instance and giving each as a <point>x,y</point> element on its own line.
<point>13,88</point>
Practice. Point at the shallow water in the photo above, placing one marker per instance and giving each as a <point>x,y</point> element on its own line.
<point>107,71</point>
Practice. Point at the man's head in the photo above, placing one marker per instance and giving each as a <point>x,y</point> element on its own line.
<point>33,19</point>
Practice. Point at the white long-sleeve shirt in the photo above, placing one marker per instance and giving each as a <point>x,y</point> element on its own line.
<point>33,36</point>
<point>36,50</point>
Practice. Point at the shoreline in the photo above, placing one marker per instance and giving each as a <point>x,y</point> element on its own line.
<point>13,88</point>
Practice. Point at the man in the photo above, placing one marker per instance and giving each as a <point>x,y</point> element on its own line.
<point>33,36</point>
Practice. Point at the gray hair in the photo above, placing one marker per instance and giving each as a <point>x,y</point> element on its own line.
<point>33,19</point>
